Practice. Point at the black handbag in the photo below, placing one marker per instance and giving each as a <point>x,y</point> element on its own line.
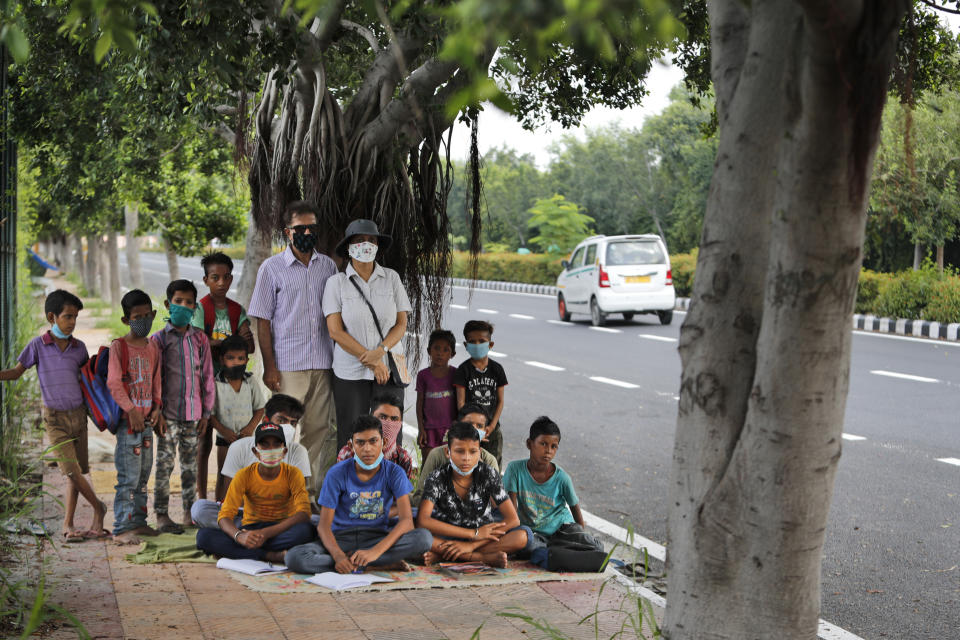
<point>399,375</point>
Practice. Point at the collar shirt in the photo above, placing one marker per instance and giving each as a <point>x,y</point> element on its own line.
<point>57,371</point>
<point>388,297</point>
<point>289,294</point>
<point>189,388</point>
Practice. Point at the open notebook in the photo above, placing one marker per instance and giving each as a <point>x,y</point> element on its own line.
<point>250,567</point>
<point>341,581</point>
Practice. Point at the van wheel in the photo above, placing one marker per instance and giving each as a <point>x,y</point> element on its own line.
<point>666,317</point>
<point>628,315</point>
<point>597,318</point>
<point>562,309</point>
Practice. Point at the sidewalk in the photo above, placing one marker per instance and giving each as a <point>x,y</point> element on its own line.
<point>116,599</point>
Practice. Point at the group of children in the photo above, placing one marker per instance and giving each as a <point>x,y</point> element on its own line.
<point>188,380</point>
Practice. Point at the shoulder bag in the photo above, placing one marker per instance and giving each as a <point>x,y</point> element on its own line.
<point>399,375</point>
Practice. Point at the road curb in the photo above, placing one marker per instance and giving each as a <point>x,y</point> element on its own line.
<point>904,327</point>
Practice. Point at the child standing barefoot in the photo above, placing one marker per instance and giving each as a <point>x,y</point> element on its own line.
<point>436,398</point>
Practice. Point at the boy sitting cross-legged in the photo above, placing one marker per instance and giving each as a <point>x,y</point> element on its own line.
<point>276,509</point>
<point>543,492</point>
<point>456,507</point>
<point>355,504</point>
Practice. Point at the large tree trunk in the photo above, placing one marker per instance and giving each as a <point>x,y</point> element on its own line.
<point>917,255</point>
<point>90,271</point>
<point>113,259</point>
<point>258,247</point>
<point>172,265</point>
<point>765,347</point>
<point>104,270</point>
<point>131,220</point>
<point>75,244</point>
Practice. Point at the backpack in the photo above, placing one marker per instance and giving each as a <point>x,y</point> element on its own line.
<point>101,407</point>
<point>210,314</point>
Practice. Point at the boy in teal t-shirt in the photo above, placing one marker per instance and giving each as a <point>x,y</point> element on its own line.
<point>543,492</point>
<point>219,317</point>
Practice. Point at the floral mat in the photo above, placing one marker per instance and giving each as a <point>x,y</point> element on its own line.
<point>517,572</point>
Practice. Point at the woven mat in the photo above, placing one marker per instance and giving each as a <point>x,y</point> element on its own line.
<point>420,578</point>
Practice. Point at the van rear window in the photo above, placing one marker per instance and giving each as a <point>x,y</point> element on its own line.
<point>634,252</point>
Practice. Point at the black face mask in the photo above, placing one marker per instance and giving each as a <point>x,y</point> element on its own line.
<point>303,242</point>
<point>234,373</point>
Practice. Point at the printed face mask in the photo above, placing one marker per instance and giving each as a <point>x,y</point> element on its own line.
<point>478,351</point>
<point>180,316</point>
<point>141,326</point>
<point>304,242</point>
<point>363,251</point>
<point>235,372</point>
<point>270,457</point>
<point>463,473</point>
<point>57,333</point>
<point>390,430</point>
<point>369,467</point>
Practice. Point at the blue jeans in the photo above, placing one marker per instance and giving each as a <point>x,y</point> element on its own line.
<point>133,459</point>
<point>218,543</point>
<point>313,557</point>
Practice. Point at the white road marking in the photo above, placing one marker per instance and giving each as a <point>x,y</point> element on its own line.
<point>508,293</point>
<point>458,306</point>
<point>542,365</point>
<point>850,436</point>
<point>950,461</point>
<point>828,631</point>
<point>891,336</point>
<point>491,311</point>
<point>520,316</point>
<point>616,383</point>
<point>497,354</point>
<point>606,329</point>
<point>561,323</point>
<point>902,376</point>
<point>650,336</point>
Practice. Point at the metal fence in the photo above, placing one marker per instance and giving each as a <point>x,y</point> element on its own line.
<point>8,230</point>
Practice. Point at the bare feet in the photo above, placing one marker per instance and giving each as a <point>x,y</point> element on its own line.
<point>494,559</point>
<point>146,530</point>
<point>73,535</point>
<point>166,525</point>
<point>276,557</point>
<point>99,511</point>
<point>430,558</point>
<point>127,537</point>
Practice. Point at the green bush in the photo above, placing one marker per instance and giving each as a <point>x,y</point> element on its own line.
<point>868,289</point>
<point>534,268</point>
<point>906,294</point>
<point>684,265</point>
<point>944,302</point>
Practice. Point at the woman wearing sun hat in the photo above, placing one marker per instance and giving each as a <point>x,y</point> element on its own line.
<point>360,365</point>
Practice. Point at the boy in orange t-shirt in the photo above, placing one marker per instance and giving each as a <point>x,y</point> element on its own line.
<point>276,509</point>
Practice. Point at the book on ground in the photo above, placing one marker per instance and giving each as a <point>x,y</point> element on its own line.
<point>466,569</point>
<point>250,567</point>
<point>341,581</point>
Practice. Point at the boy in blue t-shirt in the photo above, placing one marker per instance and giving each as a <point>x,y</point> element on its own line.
<point>543,492</point>
<point>355,505</point>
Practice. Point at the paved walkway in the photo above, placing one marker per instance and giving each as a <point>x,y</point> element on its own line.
<point>186,601</point>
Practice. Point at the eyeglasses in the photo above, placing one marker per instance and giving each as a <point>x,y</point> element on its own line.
<point>312,229</point>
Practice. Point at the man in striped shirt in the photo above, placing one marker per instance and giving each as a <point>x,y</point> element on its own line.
<point>296,348</point>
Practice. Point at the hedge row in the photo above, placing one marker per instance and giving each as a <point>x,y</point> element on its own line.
<point>534,268</point>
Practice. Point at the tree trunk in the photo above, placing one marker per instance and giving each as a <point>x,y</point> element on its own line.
<point>61,253</point>
<point>940,258</point>
<point>765,346</point>
<point>104,265</point>
<point>92,266</point>
<point>917,255</point>
<point>113,259</point>
<point>75,243</point>
<point>258,248</point>
<point>172,265</point>
<point>131,220</point>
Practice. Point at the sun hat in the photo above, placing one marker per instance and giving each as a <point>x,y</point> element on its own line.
<point>361,227</point>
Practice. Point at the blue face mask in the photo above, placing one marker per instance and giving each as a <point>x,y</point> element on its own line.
<point>180,316</point>
<point>463,473</point>
<point>478,351</point>
<point>369,467</point>
<point>55,330</point>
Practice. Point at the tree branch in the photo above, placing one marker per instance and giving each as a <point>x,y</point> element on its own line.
<point>383,72</point>
<point>363,31</point>
<point>934,5</point>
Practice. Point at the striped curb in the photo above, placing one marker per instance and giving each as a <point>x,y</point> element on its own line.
<point>903,327</point>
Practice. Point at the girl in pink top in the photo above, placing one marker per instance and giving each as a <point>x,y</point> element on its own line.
<point>436,398</point>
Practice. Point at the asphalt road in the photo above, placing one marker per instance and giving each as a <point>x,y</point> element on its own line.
<point>890,561</point>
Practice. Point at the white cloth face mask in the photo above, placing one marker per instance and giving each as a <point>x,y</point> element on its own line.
<point>363,251</point>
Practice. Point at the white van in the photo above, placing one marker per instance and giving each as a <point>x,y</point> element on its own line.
<point>617,274</point>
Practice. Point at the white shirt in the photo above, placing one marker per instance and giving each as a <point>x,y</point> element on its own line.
<point>388,297</point>
<point>240,454</point>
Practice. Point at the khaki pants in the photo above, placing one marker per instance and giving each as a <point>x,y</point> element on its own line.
<point>318,433</point>
<point>67,431</point>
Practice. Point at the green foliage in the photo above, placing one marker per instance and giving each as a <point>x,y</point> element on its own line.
<point>907,294</point>
<point>943,304</point>
<point>868,289</point>
<point>683,265</point>
<point>534,268</point>
<point>559,223</point>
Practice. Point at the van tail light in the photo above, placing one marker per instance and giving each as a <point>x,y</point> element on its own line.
<point>604,278</point>
<point>669,276</point>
